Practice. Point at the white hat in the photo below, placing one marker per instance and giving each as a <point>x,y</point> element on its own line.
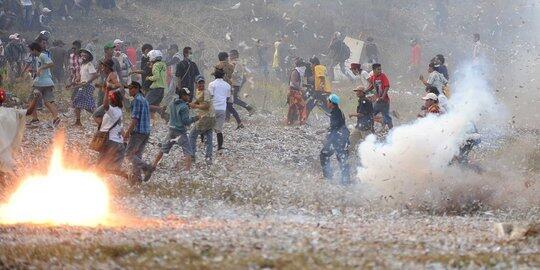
<point>14,36</point>
<point>46,10</point>
<point>118,41</point>
<point>431,96</point>
<point>154,54</point>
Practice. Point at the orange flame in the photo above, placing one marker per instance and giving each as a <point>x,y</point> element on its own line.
<point>63,196</point>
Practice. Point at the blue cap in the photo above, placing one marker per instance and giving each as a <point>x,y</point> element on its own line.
<point>334,99</point>
<point>199,78</point>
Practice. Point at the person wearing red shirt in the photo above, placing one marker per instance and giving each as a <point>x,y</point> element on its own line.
<point>416,54</point>
<point>380,83</point>
<point>131,53</point>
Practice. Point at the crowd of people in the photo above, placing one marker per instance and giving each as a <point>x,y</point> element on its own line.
<point>38,14</point>
<point>136,82</point>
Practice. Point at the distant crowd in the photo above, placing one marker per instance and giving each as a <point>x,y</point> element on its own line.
<point>133,80</point>
<point>38,14</point>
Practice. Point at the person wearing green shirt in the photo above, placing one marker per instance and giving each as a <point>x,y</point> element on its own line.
<point>158,79</point>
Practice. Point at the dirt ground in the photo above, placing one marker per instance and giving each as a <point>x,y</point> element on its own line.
<point>261,205</point>
<point>264,203</point>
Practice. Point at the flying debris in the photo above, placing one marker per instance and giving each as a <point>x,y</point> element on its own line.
<point>243,45</point>
<point>237,6</point>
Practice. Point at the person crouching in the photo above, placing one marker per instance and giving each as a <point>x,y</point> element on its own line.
<point>337,141</point>
<point>431,106</point>
<point>179,121</point>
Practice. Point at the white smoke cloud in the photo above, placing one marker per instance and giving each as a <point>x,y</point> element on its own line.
<point>412,166</point>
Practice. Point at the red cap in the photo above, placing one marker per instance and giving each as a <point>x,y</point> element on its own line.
<point>355,66</point>
<point>2,95</point>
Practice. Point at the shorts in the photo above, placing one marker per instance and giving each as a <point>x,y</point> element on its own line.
<point>176,137</point>
<point>99,112</point>
<point>154,96</point>
<point>46,93</point>
<point>220,120</point>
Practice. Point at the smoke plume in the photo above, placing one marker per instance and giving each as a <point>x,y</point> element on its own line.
<point>414,165</point>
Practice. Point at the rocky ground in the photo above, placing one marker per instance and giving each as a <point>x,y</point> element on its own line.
<point>261,205</point>
<point>264,204</point>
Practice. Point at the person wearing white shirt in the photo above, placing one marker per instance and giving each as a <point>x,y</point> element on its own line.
<point>361,73</point>
<point>441,98</point>
<point>83,97</point>
<point>220,91</point>
<point>112,154</point>
<point>435,78</point>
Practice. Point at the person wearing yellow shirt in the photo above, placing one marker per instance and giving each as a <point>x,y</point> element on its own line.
<point>321,88</point>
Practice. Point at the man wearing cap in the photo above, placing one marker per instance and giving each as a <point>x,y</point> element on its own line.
<point>43,40</point>
<point>123,61</point>
<point>14,53</point>
<point>186,72</point>
<point>179,122</point>
<point>337,141</point>
<point>138,133</point>
<point>45,19</point>
<point>431,105</point>
<point>205,125</point>
<point>364,118</point>
<point>91,45</point>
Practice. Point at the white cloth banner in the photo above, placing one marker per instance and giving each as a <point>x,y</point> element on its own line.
<point>12,124</point>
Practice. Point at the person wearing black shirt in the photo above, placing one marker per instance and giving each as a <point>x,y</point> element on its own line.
<point>145,69</point>
<point>440,66</point>
<point>364,118</point>
<point>186,72</point>
<point>337,141</point>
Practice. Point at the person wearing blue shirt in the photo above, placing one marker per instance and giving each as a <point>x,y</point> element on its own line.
<point>179,122</point>
<point>138,133</point>
<point>337,141</point>
<point>43,82</point>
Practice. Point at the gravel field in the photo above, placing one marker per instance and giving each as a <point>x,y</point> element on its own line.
<point>261,205</point>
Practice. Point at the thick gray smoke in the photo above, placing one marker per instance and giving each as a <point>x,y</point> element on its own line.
<point>414,165</point>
